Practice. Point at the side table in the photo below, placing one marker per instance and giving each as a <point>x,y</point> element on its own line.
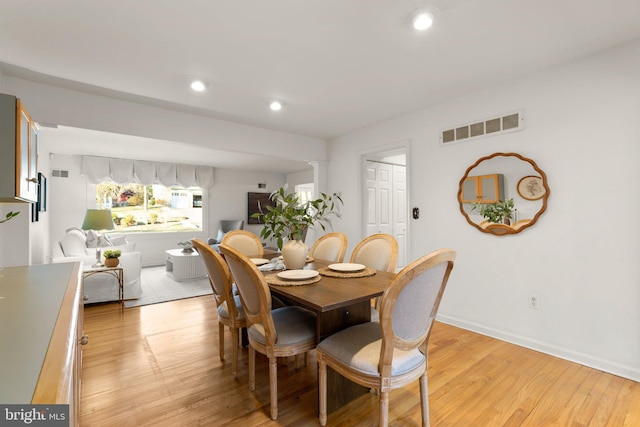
<point>185,265</point>
<point>117,272</point>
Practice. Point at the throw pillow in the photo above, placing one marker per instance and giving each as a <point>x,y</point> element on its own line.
<point>105,241</point>
<point>92,238</point>
<point>118,240</point>
<point>220,235</point>
<point>73,243</point>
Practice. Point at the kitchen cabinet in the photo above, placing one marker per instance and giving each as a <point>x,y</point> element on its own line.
<point>19,146</point>
<point>42,328</point>
<point>483,189</point>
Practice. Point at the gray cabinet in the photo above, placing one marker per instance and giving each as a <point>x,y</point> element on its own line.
<point>19,148</point>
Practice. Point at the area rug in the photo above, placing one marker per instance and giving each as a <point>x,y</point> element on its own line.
<point>158,286</point>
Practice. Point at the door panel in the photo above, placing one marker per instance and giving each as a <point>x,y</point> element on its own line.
<point>371,213</point>
<point>399,198</point>
<point>386,203</point>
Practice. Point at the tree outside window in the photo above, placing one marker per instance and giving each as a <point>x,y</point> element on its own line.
<point>138,208</point>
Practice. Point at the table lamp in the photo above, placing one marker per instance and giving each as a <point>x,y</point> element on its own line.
<point>98,219</point>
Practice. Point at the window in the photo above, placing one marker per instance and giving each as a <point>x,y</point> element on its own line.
<point>138,208</point>
<point>304,192</point>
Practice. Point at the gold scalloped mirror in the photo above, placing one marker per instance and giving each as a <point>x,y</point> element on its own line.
<point>497,178</point>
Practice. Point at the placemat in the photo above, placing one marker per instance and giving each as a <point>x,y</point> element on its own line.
<point>326,271</point>
<point>309,259</point>
<point>273,279</point>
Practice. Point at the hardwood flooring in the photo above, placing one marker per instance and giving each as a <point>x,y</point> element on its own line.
<point>158,365</point>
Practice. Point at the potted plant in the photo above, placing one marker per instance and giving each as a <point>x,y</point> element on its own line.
<point>289,218</point>
<point>497,212</point>
<point>111,257</point>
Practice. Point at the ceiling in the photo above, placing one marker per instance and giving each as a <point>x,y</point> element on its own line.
<point>336,65</point>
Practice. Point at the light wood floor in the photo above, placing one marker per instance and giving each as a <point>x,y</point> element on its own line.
<point>158,365</point>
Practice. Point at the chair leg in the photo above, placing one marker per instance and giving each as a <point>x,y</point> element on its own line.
<point>424,400</point>
<point>273,386</point>
<point>384,408</point>
<point>221,340</point>
<point>252,368</point>
<point>234,350</point>
<point>322,389</point>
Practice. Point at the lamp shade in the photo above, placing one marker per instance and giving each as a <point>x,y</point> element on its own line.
<point>98,219</point>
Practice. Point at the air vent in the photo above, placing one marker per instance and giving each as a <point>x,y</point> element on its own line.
<point>505,123</point>
<point>58,173</point>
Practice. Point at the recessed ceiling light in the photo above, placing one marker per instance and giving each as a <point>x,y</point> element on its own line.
<point>198,85</point>
<point>275,106</point>
<point>422,21</point>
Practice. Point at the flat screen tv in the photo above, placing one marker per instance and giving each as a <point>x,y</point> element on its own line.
<point>255,202</point>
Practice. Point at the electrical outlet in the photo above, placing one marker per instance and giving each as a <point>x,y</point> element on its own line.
<point>534,301</point>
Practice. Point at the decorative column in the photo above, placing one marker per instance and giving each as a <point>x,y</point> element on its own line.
<point>320,177</point>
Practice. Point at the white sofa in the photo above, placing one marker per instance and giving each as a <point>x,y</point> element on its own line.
<point>76,246</point>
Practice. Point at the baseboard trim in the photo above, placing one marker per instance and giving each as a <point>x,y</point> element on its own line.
<point>628,372</point>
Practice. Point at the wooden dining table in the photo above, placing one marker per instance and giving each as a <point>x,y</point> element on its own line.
<point>338,302</point>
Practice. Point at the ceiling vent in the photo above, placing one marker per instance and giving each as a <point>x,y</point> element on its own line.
<point>497,125</point>
<point>59,173</point>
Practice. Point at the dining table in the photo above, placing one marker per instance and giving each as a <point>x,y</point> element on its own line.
<point>339,301</point>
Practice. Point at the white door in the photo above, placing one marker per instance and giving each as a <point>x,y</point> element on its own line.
<point>386,203</point>
<point>399,198</point>
<point>371,199</point>
<point>379,218</point>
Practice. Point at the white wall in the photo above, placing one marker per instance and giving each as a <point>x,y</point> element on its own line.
<point>40,247</point>
<point>581,258</point>
<point>228,196</point>
<point>297,178</point>
<point>23,242</point>
<point>226,199</point>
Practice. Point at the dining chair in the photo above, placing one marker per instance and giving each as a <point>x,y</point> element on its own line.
<point>380,252</point>
<point>230,311</point>
<point>226,225</point>
<point>330,247</point>
<point>392,353</point>
<point>244,241</point>
<point>281,332</point>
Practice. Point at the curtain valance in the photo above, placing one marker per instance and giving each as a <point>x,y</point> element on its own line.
<point>124,171</point>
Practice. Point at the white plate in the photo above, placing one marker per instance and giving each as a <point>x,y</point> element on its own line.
<point>259,261</point>
<point>347,267</point>
<point>298,274</point>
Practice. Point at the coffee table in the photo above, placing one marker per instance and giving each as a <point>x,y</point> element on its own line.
<point>185,265</point>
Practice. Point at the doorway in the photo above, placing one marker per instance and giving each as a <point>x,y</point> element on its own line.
<point>385,197</point>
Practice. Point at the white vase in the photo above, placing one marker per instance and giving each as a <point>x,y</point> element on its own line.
<point>294,254</point>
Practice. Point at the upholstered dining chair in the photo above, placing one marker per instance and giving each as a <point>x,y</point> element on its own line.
<point>244,241</point>
<point>330,247</point>
<point>392,353</point>
<point>230,311</point>
<point>281,332</point>
<point>378,251</point>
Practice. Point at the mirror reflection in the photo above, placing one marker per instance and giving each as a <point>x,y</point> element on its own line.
<point>503,193</point>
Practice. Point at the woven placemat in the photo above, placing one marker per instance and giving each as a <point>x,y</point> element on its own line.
<point>273,279</point>
<point>326,271</point>
<point>308,260</point>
